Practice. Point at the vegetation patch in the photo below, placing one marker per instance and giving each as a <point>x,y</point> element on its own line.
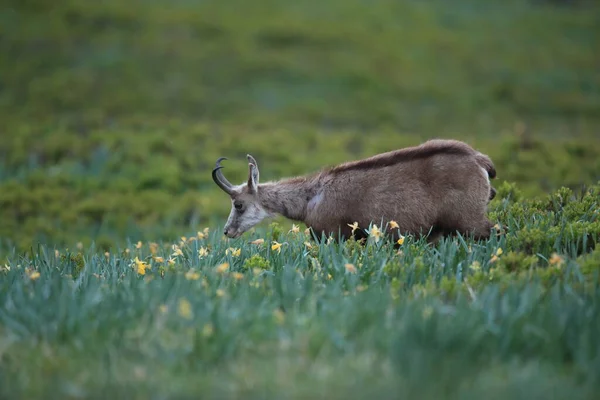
<point>117,281</point>
<point>462,312</point>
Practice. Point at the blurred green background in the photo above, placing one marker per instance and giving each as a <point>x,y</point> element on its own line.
<point>112,113</point>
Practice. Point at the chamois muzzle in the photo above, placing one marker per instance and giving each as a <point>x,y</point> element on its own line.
<point>219,179</point>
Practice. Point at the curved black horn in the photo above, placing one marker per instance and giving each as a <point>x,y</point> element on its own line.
<point>219,179</point>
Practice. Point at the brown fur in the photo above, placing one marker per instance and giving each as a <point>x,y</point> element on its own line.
<point>438,186</point>
<point>426,150</point>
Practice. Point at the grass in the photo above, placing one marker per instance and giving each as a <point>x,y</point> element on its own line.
<point>112,115</point>
<point>516,315</point>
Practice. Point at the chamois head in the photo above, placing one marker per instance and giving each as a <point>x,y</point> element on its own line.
<point>246,209</point>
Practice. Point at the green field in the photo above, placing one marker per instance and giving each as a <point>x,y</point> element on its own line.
<point>116,279</point>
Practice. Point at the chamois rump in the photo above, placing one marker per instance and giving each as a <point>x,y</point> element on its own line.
<point>438,188</point>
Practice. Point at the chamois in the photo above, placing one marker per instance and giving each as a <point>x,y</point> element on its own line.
<point>437,188</point>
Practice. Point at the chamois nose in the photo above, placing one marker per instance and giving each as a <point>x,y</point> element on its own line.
<point>230,232</point>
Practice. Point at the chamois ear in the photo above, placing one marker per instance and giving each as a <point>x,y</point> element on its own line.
<point>251,160</point>
<point>252,174</point>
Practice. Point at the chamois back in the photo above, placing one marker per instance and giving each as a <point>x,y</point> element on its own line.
<point>426,150</point>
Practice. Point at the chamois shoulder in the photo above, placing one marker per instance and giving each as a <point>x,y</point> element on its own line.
<point>428,149</point>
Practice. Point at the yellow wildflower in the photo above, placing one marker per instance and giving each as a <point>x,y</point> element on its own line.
<point>350,268</point>
<point>79,245</point>
<point>208,330</point>
<point>201,235</point>
<point>496,256</point>
<point>153,248</point>
<point>5,268</point>
<point>203,252</point>
<point>127,251</point>
<point>158,259</point>
<point>307,231</point>
<point>354,226</point>
<point>220,293</point>
<point>276,246</point>
<point>106,254</point>
<point>163,308</point>
<point>56,253</point>
<point>329,276</point>
<point>192,275</point>
<point>556,259</point>
<point>401,240</point>
<point>140,266</point>
<point>329,240</point>
<point>221,268</point>
<point>33,275</point>
<point>234,252</point>
<point>475,266</point>
<point>394,225</point>
<point>308,245</point>
<point>185,309</point>
<point>258,241</point>
<point>375,232</point>
<point>176,251</point>
<point>171,261</point>
<point>279,316</point>
<point>237,276</point>
<point>138,245</point>
<point>295,228</point>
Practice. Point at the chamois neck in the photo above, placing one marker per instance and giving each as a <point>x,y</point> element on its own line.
<point>288,197</point>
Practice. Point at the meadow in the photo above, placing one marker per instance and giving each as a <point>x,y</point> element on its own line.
<point>116,278</point>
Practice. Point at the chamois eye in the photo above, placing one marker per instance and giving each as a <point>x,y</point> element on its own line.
<point>238,206</point>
